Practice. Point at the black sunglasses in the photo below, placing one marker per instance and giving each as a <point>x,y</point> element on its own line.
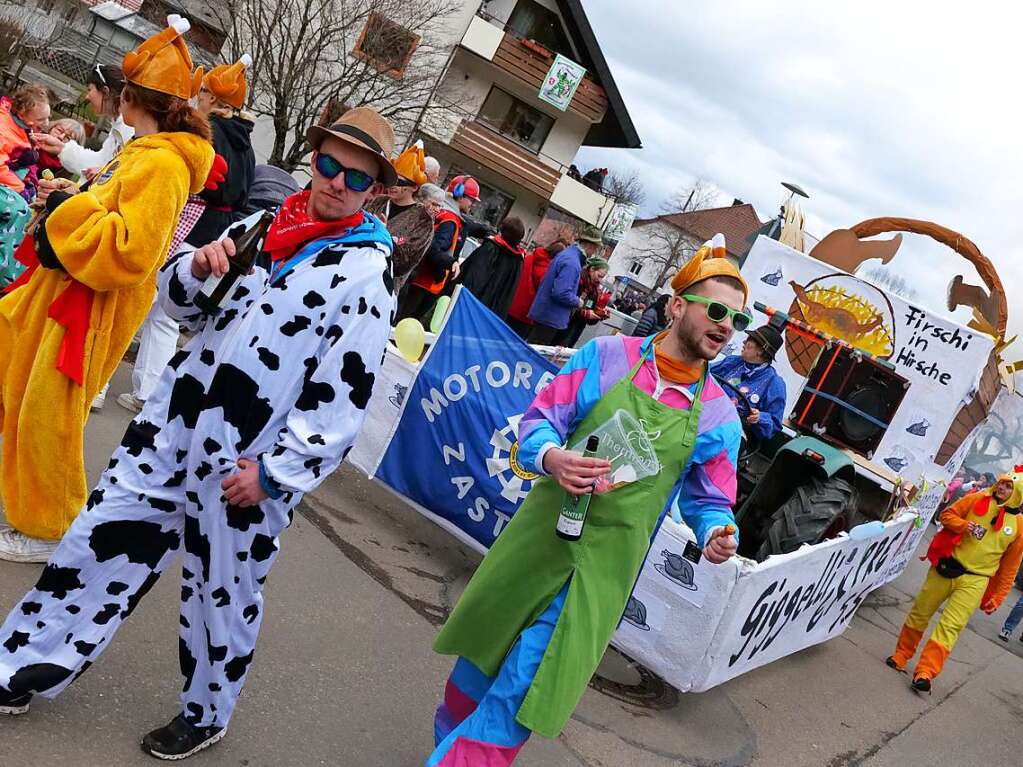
<point>329,168</point>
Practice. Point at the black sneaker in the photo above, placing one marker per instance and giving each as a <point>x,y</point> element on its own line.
<point>890,663</point>
<point>179,739</point>
<point>922,684</point>
<point>12,705</point>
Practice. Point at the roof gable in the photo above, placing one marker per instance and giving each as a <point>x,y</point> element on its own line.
<point>738,223</point>
<point>616,129</point>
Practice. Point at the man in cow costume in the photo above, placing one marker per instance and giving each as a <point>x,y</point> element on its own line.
<point>258,409</point>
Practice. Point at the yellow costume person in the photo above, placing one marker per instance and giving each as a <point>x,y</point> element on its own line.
<point>65,326</point>
<point>974,560</point>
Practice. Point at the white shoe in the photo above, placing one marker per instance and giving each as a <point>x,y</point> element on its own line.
<point>97,404</point>
<point>1004,635</point>
<point>130,402</point>
<point>18,547</point>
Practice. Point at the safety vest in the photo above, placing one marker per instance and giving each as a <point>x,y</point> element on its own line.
<point>425,278</point>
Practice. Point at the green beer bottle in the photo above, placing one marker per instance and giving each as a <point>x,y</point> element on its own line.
<point>573,509</point>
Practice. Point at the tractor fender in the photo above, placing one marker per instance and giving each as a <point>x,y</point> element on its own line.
<point>833,461</point>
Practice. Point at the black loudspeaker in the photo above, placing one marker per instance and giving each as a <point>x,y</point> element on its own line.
<point>849,399</point>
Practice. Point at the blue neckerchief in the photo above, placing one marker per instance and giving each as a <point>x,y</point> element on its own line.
<point>371,230</point>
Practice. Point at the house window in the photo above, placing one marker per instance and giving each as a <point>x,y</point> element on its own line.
<point>386,45</point>
<point>70,13</point>
<point>531,21</point>
<point>46,5</point>
<point>636,269</point>
<point>516,120</point>
<point>494,204</point>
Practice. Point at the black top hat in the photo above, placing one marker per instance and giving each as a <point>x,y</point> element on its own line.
<point>768,339</point>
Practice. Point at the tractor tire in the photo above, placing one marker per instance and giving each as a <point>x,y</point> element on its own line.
<point>811,514</point>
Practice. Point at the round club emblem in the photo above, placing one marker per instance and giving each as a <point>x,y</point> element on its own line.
<point>1007,530</point>
<point>754,398</point>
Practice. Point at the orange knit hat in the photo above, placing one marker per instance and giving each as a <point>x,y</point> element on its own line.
<point>162,63</point>
<point>709,261</point>
<point>227,82</point>
<point>411,164</point>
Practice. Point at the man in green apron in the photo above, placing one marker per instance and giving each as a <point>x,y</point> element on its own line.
<point>539,613</point>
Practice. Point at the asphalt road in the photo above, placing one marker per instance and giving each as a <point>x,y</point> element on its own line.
<point>344,674</point>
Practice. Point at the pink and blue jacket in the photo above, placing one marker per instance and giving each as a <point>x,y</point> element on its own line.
<point>705,492</point>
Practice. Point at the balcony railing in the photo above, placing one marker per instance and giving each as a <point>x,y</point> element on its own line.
<point>529,62</point>
<point>505,157</point>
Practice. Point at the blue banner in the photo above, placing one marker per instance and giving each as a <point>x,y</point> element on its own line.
<point>454,451</point>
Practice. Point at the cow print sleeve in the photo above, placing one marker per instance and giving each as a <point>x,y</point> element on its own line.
<point>329,412</point>
<point>177,286</point>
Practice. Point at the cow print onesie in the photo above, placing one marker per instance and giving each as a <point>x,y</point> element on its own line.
<point>284,373</point>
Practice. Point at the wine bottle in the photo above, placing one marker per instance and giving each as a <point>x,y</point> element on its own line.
<point>574,508</point>
<point>247,247</point>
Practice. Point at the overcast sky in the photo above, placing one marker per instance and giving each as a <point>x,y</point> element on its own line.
<point>876,109</point>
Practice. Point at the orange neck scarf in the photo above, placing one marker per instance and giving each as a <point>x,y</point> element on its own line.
<point>675,370</point>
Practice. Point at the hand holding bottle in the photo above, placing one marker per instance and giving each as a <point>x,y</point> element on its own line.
<point>213,259</point>
<point>574,472</point>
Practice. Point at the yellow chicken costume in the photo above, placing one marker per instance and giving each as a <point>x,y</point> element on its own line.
<point>65,328</point>
<point>986,540</point>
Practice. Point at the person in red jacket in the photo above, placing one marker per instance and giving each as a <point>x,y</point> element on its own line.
<point>534,267</point>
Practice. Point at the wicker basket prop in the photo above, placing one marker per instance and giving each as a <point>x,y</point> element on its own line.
<point>843,307</point>
<point>990,304</point>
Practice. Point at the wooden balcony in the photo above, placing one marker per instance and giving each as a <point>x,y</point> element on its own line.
<point>505,157</point>
<point>529,62</point>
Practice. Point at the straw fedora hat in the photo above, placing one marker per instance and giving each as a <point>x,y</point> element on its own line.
<point>365,128</point>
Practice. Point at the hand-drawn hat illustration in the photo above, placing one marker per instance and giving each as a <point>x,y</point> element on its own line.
<point>774,278</point>
<point>896,464</point>
<point>919,429</point>
<point>635,613</point>
<point>399,395</point>
<point>677,569</point>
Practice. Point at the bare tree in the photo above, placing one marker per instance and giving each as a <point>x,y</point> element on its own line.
<point>20,28</point>
<point>669,247</point>
<point>314,58</point>
<point>698,196</point>
<point>625,187</point>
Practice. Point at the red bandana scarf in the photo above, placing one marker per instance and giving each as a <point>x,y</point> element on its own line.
<point>294,227</point>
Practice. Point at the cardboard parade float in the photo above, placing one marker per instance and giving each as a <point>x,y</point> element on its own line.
<point>884,397</point>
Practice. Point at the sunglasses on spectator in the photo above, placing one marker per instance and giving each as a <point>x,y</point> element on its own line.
<point>355,179</point>
<point>719,312</point>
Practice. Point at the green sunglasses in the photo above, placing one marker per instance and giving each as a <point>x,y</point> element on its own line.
<point>719,312</point>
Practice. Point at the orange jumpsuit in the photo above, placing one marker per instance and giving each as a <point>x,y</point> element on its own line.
<point>992,562</point>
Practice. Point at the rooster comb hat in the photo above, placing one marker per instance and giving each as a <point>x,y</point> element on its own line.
<point>411,164</point>
<point>227,81</point>
<point>162,63</point>
<point>709,261</point>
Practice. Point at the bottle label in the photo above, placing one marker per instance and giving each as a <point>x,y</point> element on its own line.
<point>209,285</point>
<point>573,515</point>
<point>570,527</point>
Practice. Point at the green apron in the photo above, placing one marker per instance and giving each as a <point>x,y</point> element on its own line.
<point>529,564</point>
